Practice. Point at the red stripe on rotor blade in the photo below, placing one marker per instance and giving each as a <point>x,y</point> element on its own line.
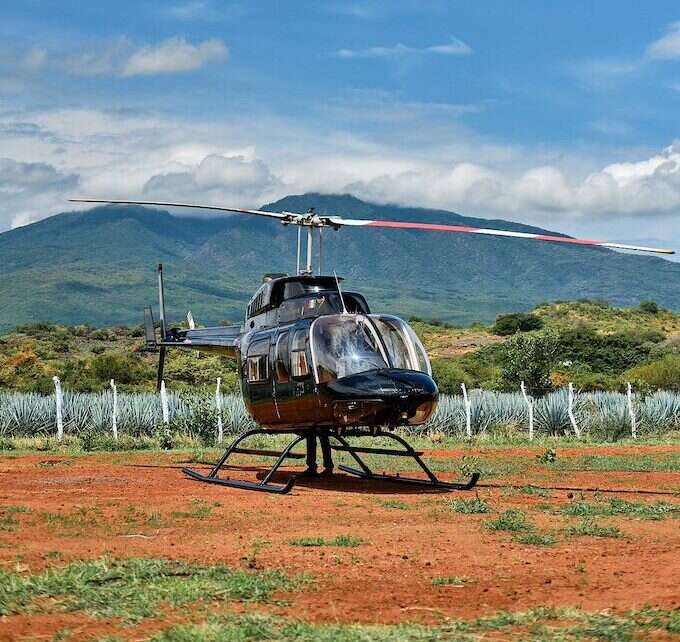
<point>422,226</point>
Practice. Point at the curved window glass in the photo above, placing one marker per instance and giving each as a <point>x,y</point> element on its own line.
<point>403,345</point>
<point>343,345</point>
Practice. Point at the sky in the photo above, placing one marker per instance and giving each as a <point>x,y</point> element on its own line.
<point>564,115</point>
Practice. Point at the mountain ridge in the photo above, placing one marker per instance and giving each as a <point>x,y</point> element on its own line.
<point>97,266</point>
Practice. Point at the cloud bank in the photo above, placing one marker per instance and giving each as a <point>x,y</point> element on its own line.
<point>454,47</point>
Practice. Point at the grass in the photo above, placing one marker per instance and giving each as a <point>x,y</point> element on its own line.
<point>347,541</point>
<point>133,589</point>
<point>535,491</point>
<point>198,509</point>
<point>536,539</point>
<point>449,581</point>
<point>72,524</point>
<point>8,517</point>
<point>513,520</point>
<point>589,528</point>
<point>622,508</point>
<point>544,624</point>
<point>395,504</point>
<point>468,506</point>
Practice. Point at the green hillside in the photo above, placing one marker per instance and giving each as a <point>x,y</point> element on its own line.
<point>97,267</point>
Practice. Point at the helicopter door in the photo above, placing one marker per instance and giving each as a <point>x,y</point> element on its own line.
<point>282,384</point>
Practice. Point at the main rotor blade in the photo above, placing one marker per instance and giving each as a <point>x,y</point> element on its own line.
<point>434,227</point>
<point>277,215</point>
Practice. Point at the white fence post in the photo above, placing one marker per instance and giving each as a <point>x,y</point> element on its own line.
<point>164,407</point>
<point>218,405</point>
<point>572,417</point>
<point>468,409</point>
<point>58,398</point>
<point>114,411</point>
<point>631,410</point>
<point>530,403</point>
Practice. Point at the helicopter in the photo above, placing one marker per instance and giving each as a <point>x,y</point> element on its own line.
<point>316,363</point>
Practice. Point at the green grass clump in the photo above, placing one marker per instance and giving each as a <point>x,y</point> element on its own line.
<point>589,528</point>
<point>347,541</point>
<point>468,506</point>
<point>132,589</point>
<point>623,508</point>
<point>534,490</point>
<point>395,504</point>
<point>536,539</point>
<point>513,520</point>
<point>449,581</point>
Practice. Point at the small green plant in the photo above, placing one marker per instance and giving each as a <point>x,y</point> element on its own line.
<point>449,581</point>
<point>549,456</point>
<point>468,506</point>
<point>621,507</point>
<point>589,528</point>
<point>513,520</point>
<point>341,540</point>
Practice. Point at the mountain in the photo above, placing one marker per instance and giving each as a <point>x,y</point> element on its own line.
<point>97,267</point>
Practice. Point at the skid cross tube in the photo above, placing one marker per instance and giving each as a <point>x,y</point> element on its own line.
<point>366,473</point>
<point>265,484</point>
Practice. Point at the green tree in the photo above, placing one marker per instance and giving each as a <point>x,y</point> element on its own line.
<point>529,358</point>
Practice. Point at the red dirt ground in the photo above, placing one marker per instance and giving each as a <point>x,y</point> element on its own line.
<point>388,578</point>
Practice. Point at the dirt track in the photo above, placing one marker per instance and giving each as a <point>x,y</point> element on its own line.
<point>409,537</point>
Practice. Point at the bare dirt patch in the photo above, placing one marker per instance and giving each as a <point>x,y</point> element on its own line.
<point>143,507</point>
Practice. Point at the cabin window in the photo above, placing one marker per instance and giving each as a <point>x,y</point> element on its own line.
<point>403,346</point>
<point>257,367</point>
<point>281,358</point>
<point>299,367</point>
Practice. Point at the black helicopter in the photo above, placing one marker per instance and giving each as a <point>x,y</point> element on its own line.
<point>316,363</point>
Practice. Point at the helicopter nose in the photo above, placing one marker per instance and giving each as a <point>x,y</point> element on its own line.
<point>384,397</point>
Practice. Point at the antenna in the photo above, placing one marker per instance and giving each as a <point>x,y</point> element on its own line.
<point>342,298</point>
<point>161,300</point>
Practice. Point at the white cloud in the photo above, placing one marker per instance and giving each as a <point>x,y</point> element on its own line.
<point>454,47</point>
<point>248,160</point>
<point>216,178</point>
<point>120,58</point>
<point>173,56</point>
<point>668,46</point>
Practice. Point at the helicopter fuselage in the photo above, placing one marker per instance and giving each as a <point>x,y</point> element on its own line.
<point>312,356</point>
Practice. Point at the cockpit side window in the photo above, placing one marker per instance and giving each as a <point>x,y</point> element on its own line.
<point>299,368</point>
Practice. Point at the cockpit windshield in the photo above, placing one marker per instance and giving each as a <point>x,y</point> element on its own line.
<point>343,345</point>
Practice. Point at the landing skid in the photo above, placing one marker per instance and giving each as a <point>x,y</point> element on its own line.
<point>365,472</point>
<point>265,484</point>
<point>342,445</point>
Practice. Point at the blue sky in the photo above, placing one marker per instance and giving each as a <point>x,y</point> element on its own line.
<point>560,114</point>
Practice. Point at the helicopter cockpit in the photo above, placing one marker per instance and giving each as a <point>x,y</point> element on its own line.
<point>349,344</point>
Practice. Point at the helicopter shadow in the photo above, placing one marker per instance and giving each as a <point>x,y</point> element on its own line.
<point>342,483</point>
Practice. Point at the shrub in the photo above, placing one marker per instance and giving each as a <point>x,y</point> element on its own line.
<point>449,374</point>
<point>650,307</point>
<point>663,374</point>
<point>507,324</point>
